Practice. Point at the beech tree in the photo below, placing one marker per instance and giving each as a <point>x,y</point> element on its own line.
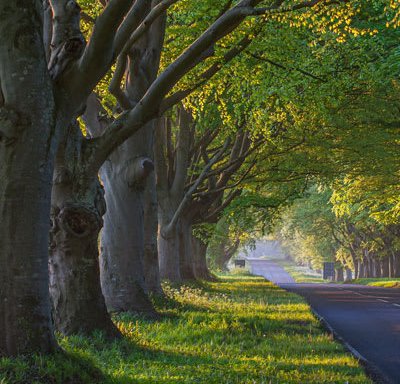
<point>79,206</point>
<point>193,173</point>
<point>48,71</point>
<point>351,214</point>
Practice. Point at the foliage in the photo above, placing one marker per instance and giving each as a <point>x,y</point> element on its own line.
<point>306,229</point>
<point>376,195</point>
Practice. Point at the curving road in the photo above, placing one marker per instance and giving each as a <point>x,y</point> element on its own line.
<point>367,319</point>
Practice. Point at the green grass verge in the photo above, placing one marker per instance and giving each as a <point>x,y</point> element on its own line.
<point>385,282</point>
<point>241,329</point>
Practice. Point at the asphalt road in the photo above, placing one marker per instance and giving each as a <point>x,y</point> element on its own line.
<point>270,270</point>
<point>367,319</point>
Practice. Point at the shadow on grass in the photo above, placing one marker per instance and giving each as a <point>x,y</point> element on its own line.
<point>218,356</point>
<point>58,368</point>
<point>208,333</point>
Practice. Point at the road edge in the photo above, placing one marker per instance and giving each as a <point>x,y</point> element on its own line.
<point>373,372</point>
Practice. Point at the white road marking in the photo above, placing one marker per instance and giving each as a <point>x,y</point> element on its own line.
<point>373,297</point>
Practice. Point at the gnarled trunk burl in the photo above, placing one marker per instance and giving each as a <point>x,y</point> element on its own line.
<point>76,215</point>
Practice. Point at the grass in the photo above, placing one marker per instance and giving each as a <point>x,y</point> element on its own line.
<point>385,282</point>
<point>241,329</point>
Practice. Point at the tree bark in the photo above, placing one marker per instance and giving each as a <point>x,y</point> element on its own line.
<point>77,210</point>
<point>151,266</point>
<point>385,267</point>
<point>361,270</point>
<point>168,245</point>
<point>378,268</point>
<point>186,250</point>
<point>128,256</point>
<point>122,242</point>
<point>396,264</point>
<point>200,267</point>
<point>28,128</point>
<point>356,263</point>
<point>339,274</point>
<point>356,269</point>
<point>391,264</point>
<point>171,173</point>
<point>348,275</point>
<point>225,252</point>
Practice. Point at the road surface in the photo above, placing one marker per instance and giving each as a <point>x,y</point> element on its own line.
<point>366,318</point>
<point>270,270</point>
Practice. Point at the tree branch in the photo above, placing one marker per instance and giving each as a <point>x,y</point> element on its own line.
<point>159,156</point>
<point>281,66</point>
<point>115,84</point>
<point>188,195</point>
<point>126,38</point>
<point>226,186</point>
<point>149,105</point>
<point>67,41</point>
<point>213,216</point>
<point>99,53</point>
<point>182,151</point>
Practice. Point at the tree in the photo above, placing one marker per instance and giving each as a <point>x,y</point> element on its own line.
<point>44,50</point>
<point>29,127</point>
<point>79,200</point>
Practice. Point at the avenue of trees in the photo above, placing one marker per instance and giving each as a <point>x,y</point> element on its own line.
<point>134,135</point>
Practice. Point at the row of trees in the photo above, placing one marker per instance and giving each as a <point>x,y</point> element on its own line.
<point>316,229</point>
<point>184,110</point>
<point>350,210</point>
<point>344,204</point>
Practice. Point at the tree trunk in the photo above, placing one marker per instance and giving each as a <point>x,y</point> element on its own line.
<point>122,242</point>
<point>200,267</point>
<point>348,276</point>
<point>77,209</point>
<point>371,270</point>
<point>361,270</point>
<point>151,266</point>
<point>378,268</point>
<point>391,265</point>
<point>220,260</point>
<point>356,263</point>
<point>385,267</point>
<point>356,269</point>
<point>396,264</point>
<point>125,241</point>
<point>168,248</point>
<point>186,250</point>
<point>339,274</point>
<point>27,146</point>
<point>225,252</point>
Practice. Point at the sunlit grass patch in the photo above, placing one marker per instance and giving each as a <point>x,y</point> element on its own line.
<point>241,329</point>
<point>384,282</point>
